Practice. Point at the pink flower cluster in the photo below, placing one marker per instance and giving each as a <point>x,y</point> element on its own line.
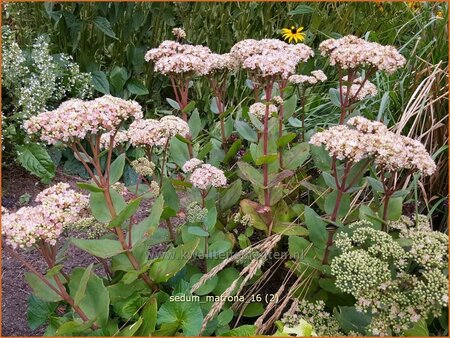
<point>74,119</point>
<point>120,137</point>
<point>59,207</point>
<point>356,92</point>
<point>350,52</point>
<point>150,132</point>
<point>258,109</point>
<point>362,138</point>
<point>270,57</point>
<point>204,176</point>
<point>315,77</point>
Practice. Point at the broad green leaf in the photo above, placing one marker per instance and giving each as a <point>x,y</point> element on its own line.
<point>352,320</point>
<point>321,158</point>
<point>189,107</point>
<point>217,248</point>
<point>395,206</point>
<point>195,124</point>
<point>131,329</point>
<point>136,87</point>
<point>249,208</point>
<point>41,289</point>
<point>316,227</point>
<point>39,311</point>
<point>334,97</point>
<point>100,81</point>
<point>126,213</point>
<point>296,156</point>
<point>118,77</point>
<point>99,207</point>
<point>226,277</point>
<point>230,196</point>
<point>74,328</point>
<point>147,227</point>
<point>116,170</point>
<point>36,160</point>
<point>80,293</point>
<point>196,230</point>
<point>251,174</point>
<point>289,230</point>
<point>225,317</point>
<point>246,132</point>
<point>290,105</point>
<point>187,315</point>
<point>149,316</point>
<point>95,304</point>
<point>89,187</point>
<point>172,261</point>
<point>241,331</point>
<point>420,329</point>
<point>105,26</point>
<point>298,247</point>
<point>206,288</point>
<point>231,154</point>
<point>253,310</point>
<point>330,203</point>
<point>103,248</point>
<point>285,139</point>
<point>173,104</point>
<point>266,159</point>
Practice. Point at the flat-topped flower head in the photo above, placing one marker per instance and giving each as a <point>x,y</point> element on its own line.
<point>206,176</point>
<point>357,92</point>
<point>150,132</point>
<point>190,165</point>
<point>258,109</point>
<point>74,119</point>
<point>120,137</point>
<point>315,77</point>
<point>179,33</point>
<point>59,207</point>
<point>166,48</point>
<point>270,57</point>
<point>352,52</point>
<point>143,166</point>
<point>221,63</point>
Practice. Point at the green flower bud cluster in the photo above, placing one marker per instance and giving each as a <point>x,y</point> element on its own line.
<point>195,213</point>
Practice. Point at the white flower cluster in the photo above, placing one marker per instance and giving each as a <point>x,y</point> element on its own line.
<point>190,165</point>
<point>179,33</point>
<point>245,220</point>
<point>399,285</point>
<point>258,109</point>
<point>59,207</point>
<point>362,138</point>
<point>150,132</point>
<point>205,176</point>
<point>74,119</point>
<point>195,213</point>
<point>351,52</point>
<point>324,323</point>
<point>143,166</point>
<point>39,81</point>
<point>356,92</point>
<point>120,137</point>
<point>219,63</point>
<point>270,57</point>
<point>315,77</point>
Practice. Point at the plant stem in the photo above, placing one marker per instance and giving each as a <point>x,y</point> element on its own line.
<point>303,100</point>
<point>280,120</point>
<point>163,165</point>
<point>268,91</point>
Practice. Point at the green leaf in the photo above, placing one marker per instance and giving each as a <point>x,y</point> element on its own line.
<point>290,105</point>
<point>285,139</point>
<point>217,248</point>
<point>89,187</point>
<point>329,180</point>
<point>116,170</point>
<point>183,139</point>
<point>290,230</point>
<point>74,328</point>
<point>251,174</point>
<point>241,331</point>
<point>189,107</point>
<point>187,315</point>
<point>149,316</point>
<point>39,311</point>
<point>136,87</point>
<point>280,177</point>
<point>245,131</point>
<point>301,9</point>
<point>165,268</point>
<point>420,329</point>
<point>81,291</point>
<point>266,159</point>
<point>118,77</point>
<point>99,207</point>
<point>395,206</point>
<point>226,277</point>
<point>249,208</point>
<point>130,330</point>
<point>225,317</point>
<point>126,213</point>
<point>167,330</point>
<point>173,104</point>
<point>334,97</point>
<point>316,227</point>
<point>352,320</point>
<point>36,160</point>
<point>298,247</point>
<point>231,154</point>
<point>103,248</point>
<point>296,156</point>
<point>230,196</point>
<point>253,310</point>
<point>195,230</point>
<point>321,158</point>
<point>207,287</point>
<point>195,123</point>
<point>42,290</point>
<point>330,203</point>
<point>105,26</point>
<point>95,304</point>
<point>146,227</point>
<point>100,81</point>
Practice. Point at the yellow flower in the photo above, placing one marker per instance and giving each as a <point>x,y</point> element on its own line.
<point>439,14</point>
<point>293,33</point>
<point>414,6</point>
